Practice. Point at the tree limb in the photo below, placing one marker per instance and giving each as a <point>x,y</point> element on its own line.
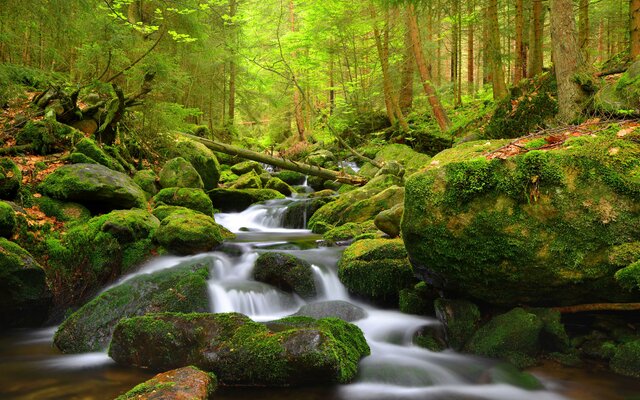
<point>598,307</point>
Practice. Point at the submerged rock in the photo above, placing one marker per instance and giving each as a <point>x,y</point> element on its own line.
<point>286,272</point>
<point>25,296</point>
<point>536,228</point>
<point>179,289</point>
<point>187,383</point>
<point>94,186</point>
<point>295,351</point>
<point>376,268</point>
<point>333,308</point>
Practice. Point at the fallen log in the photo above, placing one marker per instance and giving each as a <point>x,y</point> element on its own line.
<point>280,162</point>
<point>598,307</point>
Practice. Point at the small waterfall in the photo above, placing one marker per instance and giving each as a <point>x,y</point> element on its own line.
<point>328,284</point>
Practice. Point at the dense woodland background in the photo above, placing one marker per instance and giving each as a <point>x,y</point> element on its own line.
<point>275,72</point>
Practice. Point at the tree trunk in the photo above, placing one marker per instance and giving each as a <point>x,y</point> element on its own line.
<point>567,60</point>
<point>583,29</point>
<point>233,7</point>
<point>495,56</point>
<point>438,111</point>
<point>470,32</point>
<point>297,101</point>
<point>406,83</point>
<point>280,162</point>
<point>634,13</point>
<point>518,73</point>
<point>537,31</point>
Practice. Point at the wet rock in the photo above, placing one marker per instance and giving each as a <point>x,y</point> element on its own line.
<point>286,272</point>
<point>187,383</point>
<point>293,351</point>
<point>179,289</point>
<point>418,299</point>
<point>300,211</point>
<point>232,200</point>
<point>94,186</point>
<point>179,172</point>
<point>460,318</point>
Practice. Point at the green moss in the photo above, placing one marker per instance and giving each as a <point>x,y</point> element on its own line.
<point>7,220</point>
<point>246,167</point>
<point>417,300</point>
<point>250,180</point>
<point>189,233</point>
<point>91,149</point>
<point>147,179</point>
<point>162,212</point>
<point>513,336</point>
<point>79,158</point>
<point>201,158</point>
<point>48,136</point>
<point>286,272</point>
<point>279,185</point>
<point>626,359</point>
<point>194,199</point>
<point>409,158</point>
<point>348,231</point>
<point>291,177</point>
<point>180,289</point>
<point>179,172</point>
<point>629,277</point>
<point>63,211</point>
<point>10,179</point>
<point>376,268</point>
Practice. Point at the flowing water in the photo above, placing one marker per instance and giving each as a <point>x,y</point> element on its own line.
<point>396,369</point>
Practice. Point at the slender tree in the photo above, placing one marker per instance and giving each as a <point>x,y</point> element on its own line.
<point>536,58</point>
<point>470,43</point>
<point>519,66</point>
<point>495,56</point>
<point>634,13</point>
<point>407,69</point>
<point>233,9</point>
<point>567,60</point>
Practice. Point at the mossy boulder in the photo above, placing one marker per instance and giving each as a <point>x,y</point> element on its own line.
<point>179,289</point>
<point>418,299</point>
<point>388,221</point>
<point>291,177</point>
<point>321,158</point>
<point>626,359</point>
<point>201,158</point>
<point>623,96</point>
<point>10,179</point>
<point>361,204</point>
<point>62,210</point>
<point>295,351</point>
<point>25,296</point>
<point>530,105</point>
<point>79,158</point>
<point>162,212</point>
<point>250,180</point>
<point>190,233</point>
<point>7,220</point>
<point>334,308</point>
<point>376,268</point>
<point>513,336</point>
<point>182,383</point>
<point>98,251</point>
<point>148,181</point>
<point>247,166</point>
<point>279,185</point>
<point>349,231</point>
<point>460,319</point>
<point>94,186</point>
<point>195,199</point>
<point>410,159</point>
<point>537,228</point>
<point>90,149</point>
<point>285,272</point>
<point>233,200</point>
<point>48,136</point>
<point>179,172</point>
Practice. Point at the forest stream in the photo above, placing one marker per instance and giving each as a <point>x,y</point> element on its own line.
<point>30,368</point>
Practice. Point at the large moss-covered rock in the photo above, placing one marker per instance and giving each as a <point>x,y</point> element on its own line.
<point>460,319</point>
<point>25,296</point>
<point>285,272</point>
<point>232,200</point>
<point>349,231</point>
<point>98,251</point>
<point>388,221</point>
<point>201,158</point>
<point>180,289</point>
<point>94,186</point>
<point>295,351</point>
<point>190,233</point>
<point>279,185</point>
<point>250,180</point>
<point>291,177</point>
<point>376,268</point>
<point>361,204</point>
<point>186,383</point>
<point>7,219</point>
<point>148,181</point>
<point>529,106</point>
<point>536,228</point>
<point>321,158</point>
<point>513,336</point>
<point>10,179</point>
<point>620,97</point>
<point>298,212</point>
<point>245,167</point>
<point>403,154</point>
<point>195,199</point>
<point>90,149</point>
<point>179,172</point>
<point>418,299</point>
<point>62,210</point>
